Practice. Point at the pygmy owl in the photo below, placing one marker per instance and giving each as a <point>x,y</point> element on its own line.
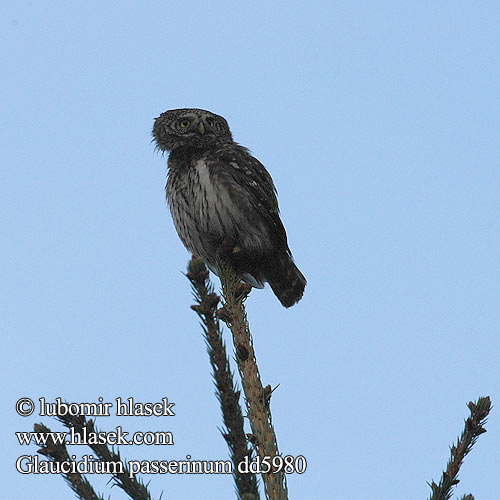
<point>223,202</point>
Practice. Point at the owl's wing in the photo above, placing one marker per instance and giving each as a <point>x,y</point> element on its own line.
<point>250,184</point>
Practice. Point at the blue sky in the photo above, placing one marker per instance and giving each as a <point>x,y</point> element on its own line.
<point>379,124</point>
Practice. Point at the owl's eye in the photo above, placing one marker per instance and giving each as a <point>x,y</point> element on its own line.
<point>184,123</point>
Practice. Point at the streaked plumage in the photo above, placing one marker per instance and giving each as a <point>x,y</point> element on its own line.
<point>223,202</point>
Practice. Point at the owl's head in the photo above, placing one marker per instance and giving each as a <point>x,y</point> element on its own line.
<point>190,127</point>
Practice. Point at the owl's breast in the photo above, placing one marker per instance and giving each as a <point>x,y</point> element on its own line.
<point>213,205</point>
<point>205,210</point>
<point>202,210</point>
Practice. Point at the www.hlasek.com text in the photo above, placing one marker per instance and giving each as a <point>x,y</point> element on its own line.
<point>118,437</point>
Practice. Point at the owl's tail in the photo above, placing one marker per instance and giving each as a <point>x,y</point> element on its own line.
<point>286,281</point>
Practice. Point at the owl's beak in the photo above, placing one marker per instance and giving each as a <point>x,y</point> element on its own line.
<point>201,128</point>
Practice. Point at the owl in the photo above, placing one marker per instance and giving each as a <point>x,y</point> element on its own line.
<point>224,204</point>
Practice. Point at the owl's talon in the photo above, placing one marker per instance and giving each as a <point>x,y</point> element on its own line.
<point>242,291</point>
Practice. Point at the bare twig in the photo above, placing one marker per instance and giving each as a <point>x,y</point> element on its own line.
<point>256,397</point>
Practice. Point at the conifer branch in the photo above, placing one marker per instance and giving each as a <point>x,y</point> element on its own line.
<point>133,487</point>
<point>257,398</point>
<point>473,429</point>
<point>57,452</point>
<point>226,392</point>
